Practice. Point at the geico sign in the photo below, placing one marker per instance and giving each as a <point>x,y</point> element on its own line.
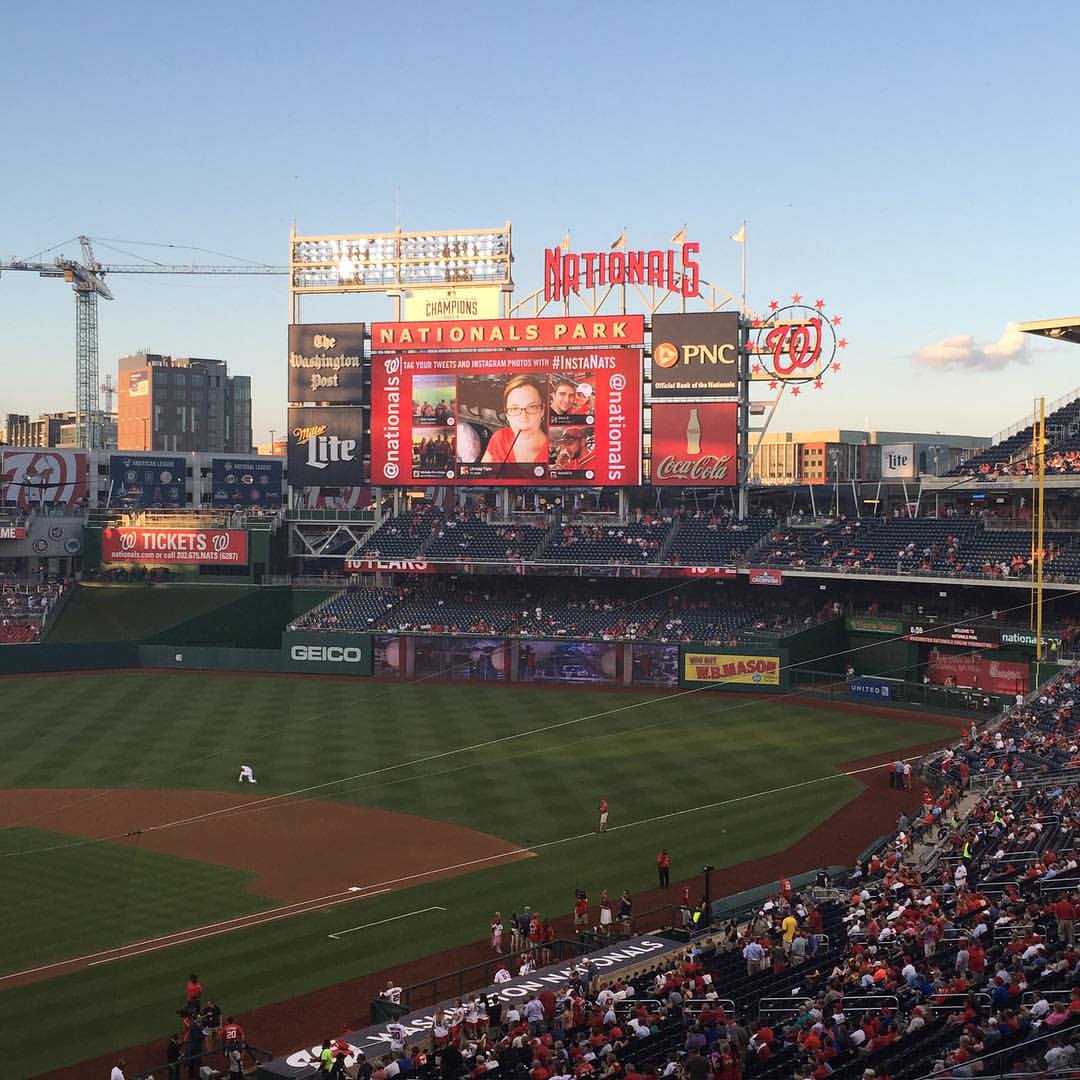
<point>331,654</point>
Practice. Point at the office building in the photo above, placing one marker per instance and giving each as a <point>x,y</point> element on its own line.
<point>183,404</point>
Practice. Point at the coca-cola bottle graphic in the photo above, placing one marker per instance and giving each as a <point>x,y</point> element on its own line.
<point>693,433</point>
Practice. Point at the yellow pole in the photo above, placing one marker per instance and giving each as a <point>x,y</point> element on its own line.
<point>1034,512</point>
<point>1039,553</point>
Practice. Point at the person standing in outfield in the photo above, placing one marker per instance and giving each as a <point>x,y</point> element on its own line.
<point>581,910</point>
<point>211,1020</point>
<point>626,910</point>
<point>246,773</point>
<point>194,994</point>
<point>603,815</point>
<point>663,868</point>
<point>606,912</point>
<point>496,933</point>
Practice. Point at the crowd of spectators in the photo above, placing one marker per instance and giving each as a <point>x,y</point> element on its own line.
<point>25,607</point>
<point>556,609</point>
<point>902,977</point>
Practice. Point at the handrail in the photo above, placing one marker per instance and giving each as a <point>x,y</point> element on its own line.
<point>940,1074</point>
<point>853,1002</point>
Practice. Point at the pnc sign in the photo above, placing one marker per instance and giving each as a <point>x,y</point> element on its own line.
<point>695,355</point>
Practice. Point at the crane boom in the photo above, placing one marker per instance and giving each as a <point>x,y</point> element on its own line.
<point>87,278</point>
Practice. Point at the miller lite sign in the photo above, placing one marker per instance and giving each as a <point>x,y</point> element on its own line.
<point>695,445</point>
<point>326,446</point>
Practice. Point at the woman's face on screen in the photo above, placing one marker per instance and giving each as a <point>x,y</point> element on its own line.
<point>524,409</point>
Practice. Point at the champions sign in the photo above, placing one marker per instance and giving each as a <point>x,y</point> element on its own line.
<point>206,546</point>
<point>736,668</point>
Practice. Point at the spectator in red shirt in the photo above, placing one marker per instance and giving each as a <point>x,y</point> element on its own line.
<point>1065,913</point>
<point>194,993</point>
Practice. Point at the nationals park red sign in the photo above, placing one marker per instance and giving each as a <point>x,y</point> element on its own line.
<point>595,331</point>
<point>175,545</point>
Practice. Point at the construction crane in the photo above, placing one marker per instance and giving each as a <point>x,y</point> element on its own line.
<point>87,278</point>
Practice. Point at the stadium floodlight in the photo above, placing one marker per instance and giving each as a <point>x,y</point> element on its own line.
<point>385,262</point>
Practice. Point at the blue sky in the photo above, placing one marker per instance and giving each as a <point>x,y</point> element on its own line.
<point>912,164</point>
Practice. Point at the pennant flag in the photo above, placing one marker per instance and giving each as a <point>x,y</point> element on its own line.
<point>620,243</point>
<point>740,236</point>
<point>564,244</point>
<point>680,236</point>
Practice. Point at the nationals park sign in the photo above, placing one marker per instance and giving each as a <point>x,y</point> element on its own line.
<point>374,1042</point>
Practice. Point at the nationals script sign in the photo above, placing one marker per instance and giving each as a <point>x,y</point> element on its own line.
<point>175,545</point>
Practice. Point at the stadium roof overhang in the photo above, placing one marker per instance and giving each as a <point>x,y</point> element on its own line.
<point>1058,329</point>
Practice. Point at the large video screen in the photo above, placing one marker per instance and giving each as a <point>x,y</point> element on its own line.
<point>556,418</point>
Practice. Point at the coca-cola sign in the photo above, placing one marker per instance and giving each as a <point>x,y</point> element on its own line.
<point>695,445</point>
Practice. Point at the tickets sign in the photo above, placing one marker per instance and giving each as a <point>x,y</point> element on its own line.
<point>210,546</point>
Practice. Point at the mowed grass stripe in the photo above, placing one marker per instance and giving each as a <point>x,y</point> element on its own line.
<point>89,897</point>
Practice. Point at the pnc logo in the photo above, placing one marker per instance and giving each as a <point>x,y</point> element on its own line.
<point>329,654</point>
<point>667,355</point>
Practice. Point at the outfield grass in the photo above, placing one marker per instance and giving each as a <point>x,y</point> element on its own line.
<point>443,752</point>
<point>85,897</point>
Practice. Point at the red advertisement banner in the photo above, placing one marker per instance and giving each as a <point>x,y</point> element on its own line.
<point>728,572</point>
<point>175,545</point>
<point>995,676</point>
<point>374,566</point>
<point>35,477</point>
<point>694,445</point>
<point>766,577</point>
<point>592,332</point>
<point>554,418</point>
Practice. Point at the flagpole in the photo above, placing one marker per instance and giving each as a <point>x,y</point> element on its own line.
<point>744,266</point>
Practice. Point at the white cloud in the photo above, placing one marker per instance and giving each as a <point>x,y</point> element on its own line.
<point>963,351</point>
